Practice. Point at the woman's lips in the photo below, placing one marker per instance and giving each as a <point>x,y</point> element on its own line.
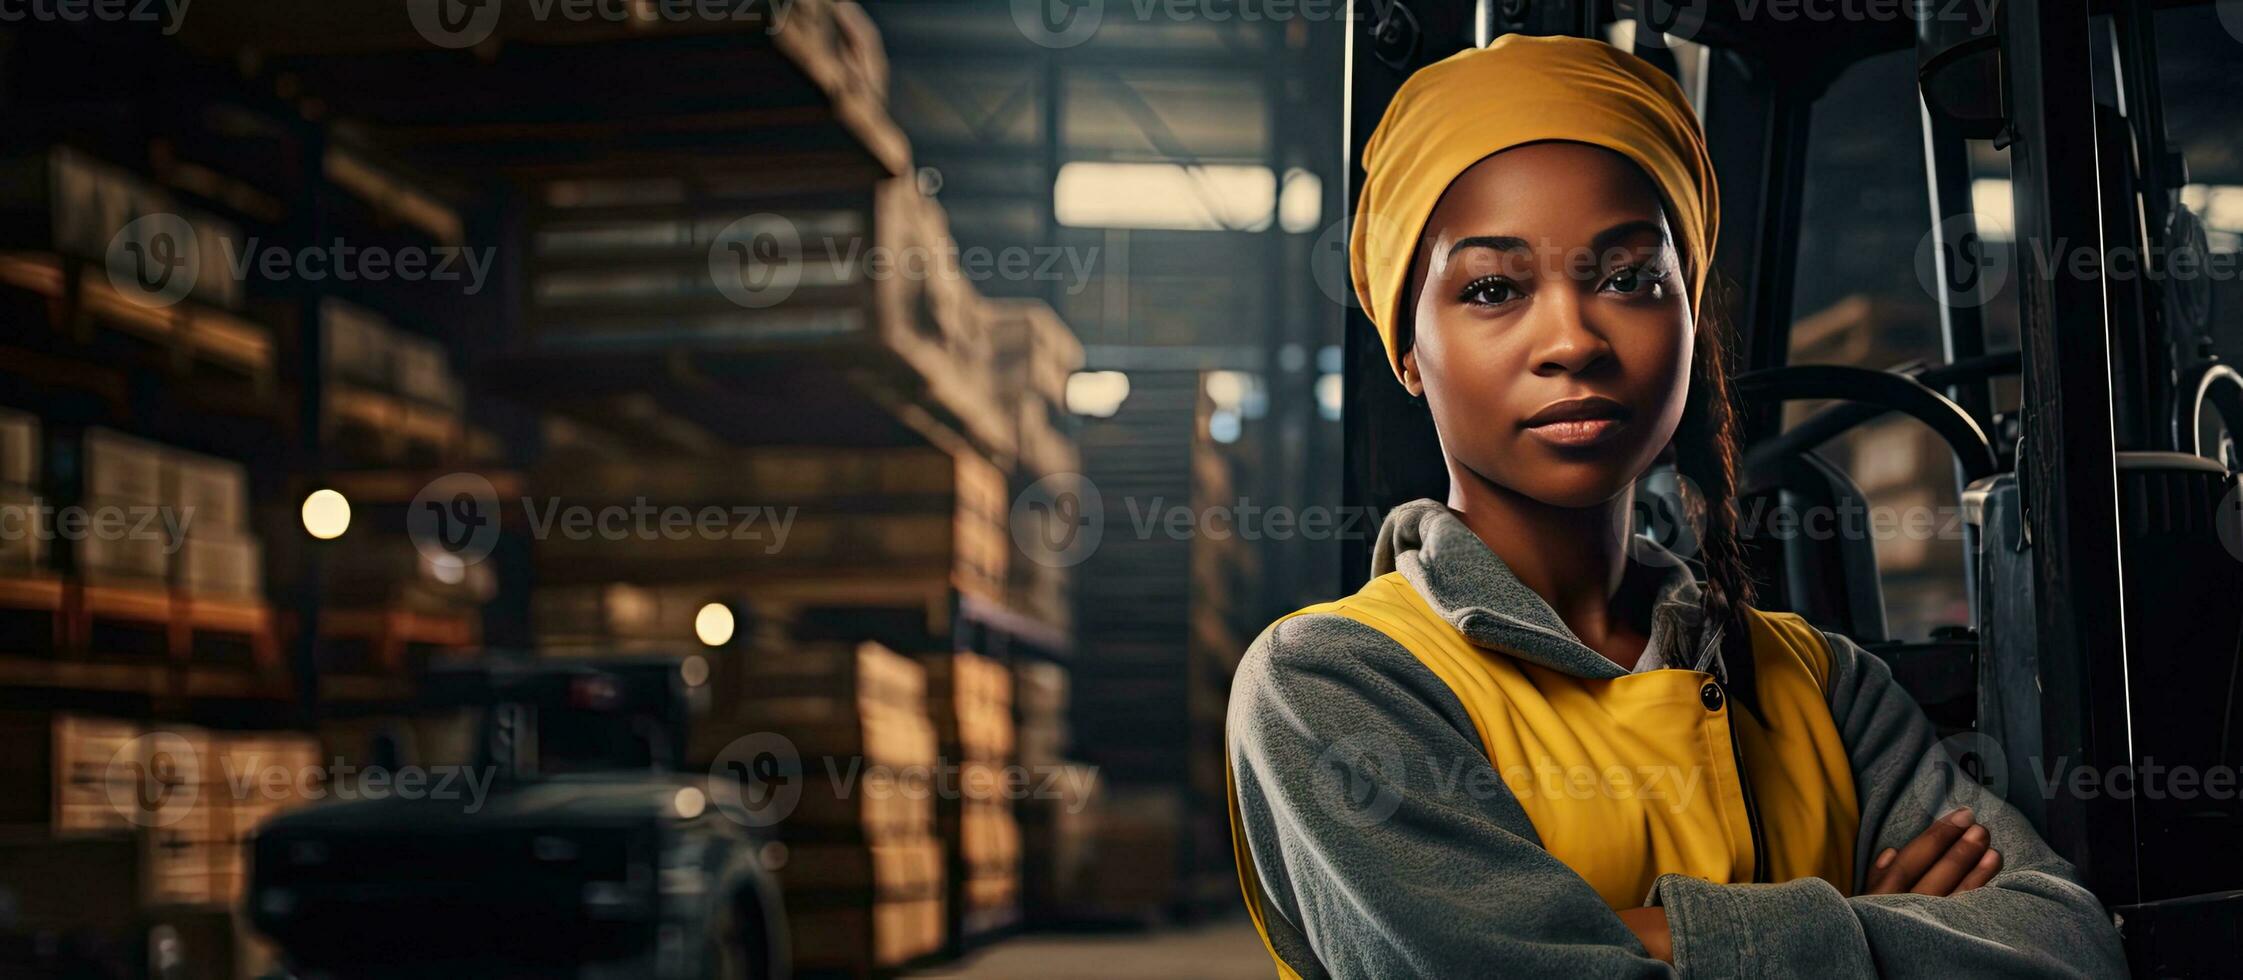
<point>1576,433</point>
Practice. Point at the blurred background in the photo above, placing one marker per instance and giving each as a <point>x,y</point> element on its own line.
<point>943,386</point>
<point>990,348</point>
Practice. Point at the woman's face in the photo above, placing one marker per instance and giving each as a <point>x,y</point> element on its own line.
<point>1552,335</point>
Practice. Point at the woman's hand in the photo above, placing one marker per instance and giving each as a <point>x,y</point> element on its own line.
<point>1950,857</point>
<point>1650,925</point>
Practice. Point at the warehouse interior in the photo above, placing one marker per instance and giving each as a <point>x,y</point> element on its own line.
<point>829,398</point>
<point>446,294</point>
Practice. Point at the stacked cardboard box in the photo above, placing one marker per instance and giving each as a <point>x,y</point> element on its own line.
<point>121,479</point>
<point>1036,353</point>
<point>189,797</point>
<point>863,879</point>
<point>969,696</point>
<point>1137,856</point>
<point>1040,688</point>
<point>150,516</point>
<point>216,555</point>
<point>392,395</point>
<point>258,775</point>
<point>1059,827</point>
<point>781,516</point>
<point>23,543</point>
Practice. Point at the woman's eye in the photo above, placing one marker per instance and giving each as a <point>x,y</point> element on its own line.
<point>1635,280</point>
<point>1491,291</point>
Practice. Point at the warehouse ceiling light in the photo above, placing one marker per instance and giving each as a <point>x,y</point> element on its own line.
<point>1165,196</point>
<point>690,802</point>
<point>326,515</point>
<point>714,624</point>
<point>1098,394</point>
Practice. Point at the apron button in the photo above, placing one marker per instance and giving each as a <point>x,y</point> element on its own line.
<point>1711,695</point>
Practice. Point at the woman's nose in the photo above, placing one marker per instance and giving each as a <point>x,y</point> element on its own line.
<point>1566,343</point>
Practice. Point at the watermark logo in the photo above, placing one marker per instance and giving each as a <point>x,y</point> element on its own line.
<point>756,261</point>
<point>1058,24</point>
<point>155,780</point>
<point>454,520</point>
<point>1975,757</point>
<point>757,779</point>
<point>1059,520</point>
<point>1668,508</point>
<point>1666,20</point>
<point>1354,776</point>
<point>155,259</point>
<point>1961,263</point>
<point>454,24</point>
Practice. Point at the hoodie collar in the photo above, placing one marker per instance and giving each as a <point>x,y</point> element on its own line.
<point>1470,588</point>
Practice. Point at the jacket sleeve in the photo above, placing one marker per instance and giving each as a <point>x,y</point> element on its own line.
<point>1382,839</point>
<point>2034,918</point>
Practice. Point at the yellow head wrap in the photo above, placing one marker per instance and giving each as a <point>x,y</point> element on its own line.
<point>1521,89</point>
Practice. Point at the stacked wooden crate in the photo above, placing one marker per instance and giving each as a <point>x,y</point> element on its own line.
<point>1040,702</point>
<point>901,526</point>
<point>1036,353</point>
<point>1059,820</point>
<point>118,474</point>
<point>969,696</point>
<point>77,229</point>
<point>1225,570</point>
<point>1157,644</point>
<point>392,397</point>
<point>862,877</point>
<point>158,517</point>
<point>23,536</point>
<point>218,554</point>
<point>189,797</point>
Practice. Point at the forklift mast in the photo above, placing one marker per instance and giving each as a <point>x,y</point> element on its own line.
<point>2101,670</point>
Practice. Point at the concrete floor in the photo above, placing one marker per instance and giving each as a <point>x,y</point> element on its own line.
<point>1225,950</point>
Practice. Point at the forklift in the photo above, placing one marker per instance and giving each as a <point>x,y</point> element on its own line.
<point>595,854</point>
<point>2103,557</point>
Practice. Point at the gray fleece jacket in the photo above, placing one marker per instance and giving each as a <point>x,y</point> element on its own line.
<point>1445,882</point>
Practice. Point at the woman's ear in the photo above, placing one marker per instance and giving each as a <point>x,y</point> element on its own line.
<point>1411,382</point>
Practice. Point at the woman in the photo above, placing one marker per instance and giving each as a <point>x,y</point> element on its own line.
<point>1534,742</point>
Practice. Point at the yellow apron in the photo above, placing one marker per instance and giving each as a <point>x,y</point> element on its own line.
<point>1628,778</point>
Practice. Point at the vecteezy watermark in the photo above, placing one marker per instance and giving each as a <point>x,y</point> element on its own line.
<point>1362,780</point>
<point>455,521</point>
<point>171,14</point>
<point>339,780</point>
<point>643,520</point>
<point>157,259</point>
<point>151,523</point>
<point>160,779</point>
<point>1068,23</point>
<point>1968,258</point>
<point>154,780</point>
<point>759,260</point>
<point>1246,521</point>
<point>1061,520</point>
<point>760,779</point>
<point>1853,520</point>
<point>467,23</point>
<point>343,262</point>
<point>1355,778</point>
